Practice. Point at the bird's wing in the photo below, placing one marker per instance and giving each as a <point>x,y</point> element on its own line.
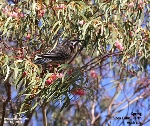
<point>42,61</point>
<point>53,56</point>
<point>57,54</point>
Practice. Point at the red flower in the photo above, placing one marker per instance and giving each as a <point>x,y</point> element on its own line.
<point>93,74</point>
<point>119,45</point>
<point>53,77</point>
<point>62,6</point>
<point>21,15</point>
<point>49,81</point>
<point>15,13</point>
<point>33,96</point>
<point>41,13</point>
<point>131,34</point>
<point>60,75</point>
<point>28,36</point>
<point>24,74</point>
<point>79,92</point>
<point>70,71</point>
<point>81,22</point>
<point>131,5</point>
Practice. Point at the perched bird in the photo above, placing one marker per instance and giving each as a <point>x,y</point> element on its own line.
<point>58,55</point>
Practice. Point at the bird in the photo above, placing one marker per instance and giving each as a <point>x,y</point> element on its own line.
<point>59,55</point>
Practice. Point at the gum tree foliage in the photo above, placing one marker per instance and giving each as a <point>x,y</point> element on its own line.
<point>111,60</point>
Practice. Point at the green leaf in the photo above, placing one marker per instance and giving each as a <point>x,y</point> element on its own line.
<point>8,20</point>
<point>34,106</point>
<point>2,2</point>
<point>33,7</point>
<point>46,77</point>
<point>66,103</point>
<point>7,73</point>
<point>54,26</point>
<point>6,60</point>
<point>104,103</point>
<point>85,26</point>
<point>47,2</point>
<point>16,71</point>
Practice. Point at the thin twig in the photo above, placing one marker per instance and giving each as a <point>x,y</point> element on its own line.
<point>44,114</point>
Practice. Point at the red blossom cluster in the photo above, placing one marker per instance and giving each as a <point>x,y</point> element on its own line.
<point>24,74</point>
<point>28,36</point>
<point>131,33</point>
<point>15,13</point>
<point>41,10</point>
<point>93,74</point>
<point>19,53</point>
<point>131,5</point>
<point>119,45</point>
<point>70,71</point>
<point>53,77</point>
<point>59,7</point>
<point>79,91</point>
<point>82,22</point>
<point>140,4</point>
